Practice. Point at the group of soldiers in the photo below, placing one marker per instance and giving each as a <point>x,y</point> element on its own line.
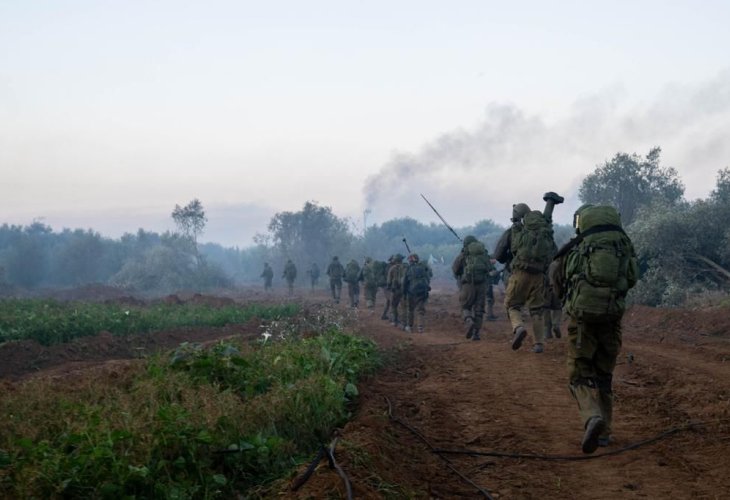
<point>290,275</point>
<point>405,284</point>
<point>588,278</point>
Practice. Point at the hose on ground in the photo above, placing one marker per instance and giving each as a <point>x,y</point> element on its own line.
<point>420,436</point>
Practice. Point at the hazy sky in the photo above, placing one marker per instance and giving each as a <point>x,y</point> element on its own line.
<point>113,112</point>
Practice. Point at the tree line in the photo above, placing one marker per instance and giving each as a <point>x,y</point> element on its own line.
<point>683,245</point>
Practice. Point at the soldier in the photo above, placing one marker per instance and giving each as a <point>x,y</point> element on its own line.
<point>416,285</point>
<point>383,283</point>
<point>552,312</point>
<point>335,271</point>
<point>526,248</point>
<point>290,274</point>
<point>492,280</point>
<point>592,273</point>
<point>472,268</point>
<point>369,278</point>
<point>267,275</point>
<point>313,273</point>
<point>352,277</point>
<point>395,285</point>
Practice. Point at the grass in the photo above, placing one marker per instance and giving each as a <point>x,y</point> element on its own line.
<point>196,423</point>
<point>49,322</point>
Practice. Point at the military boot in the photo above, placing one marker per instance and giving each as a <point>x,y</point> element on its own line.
<point>587,398</point>
<point>548,326</point>
<point>476,336</point>
<point>594,428</point>
<point>469,327</point>
<point>518,336</point>
<point>556,318</point>
<point>538,328</point>
<point>605,400</point>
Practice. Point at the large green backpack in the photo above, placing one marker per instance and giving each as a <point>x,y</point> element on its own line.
<point>476,263</point>
<point>601,268</point>
<point>352,272</point>
<point>419,279</point>
<point>533,247</point>
<point>381,272</point>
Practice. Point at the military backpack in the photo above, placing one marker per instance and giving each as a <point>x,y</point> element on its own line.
<point>418,279</point>
<point>381,272</point>
<point>352,272</point>
<point>476,263</point>
<point>533,246</point>
<point>601,268</point>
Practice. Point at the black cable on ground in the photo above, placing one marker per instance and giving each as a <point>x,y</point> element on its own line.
<point>299,482</point>
<point>333,465</point>
<point>536,456</point>
<point>425,441</point>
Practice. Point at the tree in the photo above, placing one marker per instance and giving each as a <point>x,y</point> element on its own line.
<point>190,219</point>
<point>629,182</point>
<point>312,234</point>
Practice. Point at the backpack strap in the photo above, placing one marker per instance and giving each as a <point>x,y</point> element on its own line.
<point>603,228</point>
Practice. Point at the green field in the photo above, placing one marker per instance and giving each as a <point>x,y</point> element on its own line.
<point>50,322</point>
<point>195,423</point>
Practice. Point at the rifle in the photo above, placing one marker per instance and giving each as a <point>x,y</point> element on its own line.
<point>406,244</point>
<point>442,219</point>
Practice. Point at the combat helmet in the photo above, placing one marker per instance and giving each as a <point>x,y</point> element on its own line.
<point>519,210</point>
<point>576,215</point>
<point>469,239</point>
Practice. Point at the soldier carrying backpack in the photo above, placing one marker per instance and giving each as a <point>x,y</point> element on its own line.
<point>416,285</point>
<point>592,274</point>
<point>472,268</point>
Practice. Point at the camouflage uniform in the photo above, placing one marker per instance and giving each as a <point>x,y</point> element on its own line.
<point>313,273</point>
<point>290,274</point>
<point>525,287</point>
<point>335,271</point>
<point>370,282</point>
<point>267,275</point>
<point>594,345</point>
<point>472,293</point>
<point>352,277</point>
<point>395,285</point>
<point>386,290</point>
<point>416,285</point>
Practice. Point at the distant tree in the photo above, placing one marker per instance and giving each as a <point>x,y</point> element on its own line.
<point>78,258</point>
<point>313,233</point>
<point>629,182</point>
<point>190,219</point>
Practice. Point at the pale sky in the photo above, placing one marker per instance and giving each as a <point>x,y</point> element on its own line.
<point>113,112</point>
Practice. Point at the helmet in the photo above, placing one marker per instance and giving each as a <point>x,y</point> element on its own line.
<point>413,257</point>
<point>368,260</point>
<point>576,215</point>
<point>398,257</point>
<point>519,210</point>
<point>335,258</point>
<point>469,239</point>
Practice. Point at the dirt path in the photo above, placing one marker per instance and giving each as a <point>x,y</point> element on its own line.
<point>483,396</point>
<point>459,394</point>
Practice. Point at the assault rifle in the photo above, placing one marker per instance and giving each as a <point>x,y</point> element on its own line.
<point>405,242</point>
<point>442,219</point>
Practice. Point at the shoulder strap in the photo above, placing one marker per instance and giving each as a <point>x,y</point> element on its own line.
<point>603,228</point>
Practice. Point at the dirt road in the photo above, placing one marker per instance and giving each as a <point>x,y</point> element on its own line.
<point>438,390</point>
<point>482,396</point>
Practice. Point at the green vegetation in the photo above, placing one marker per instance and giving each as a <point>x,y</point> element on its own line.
<point>198,423</point>
<point>50,322</point>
